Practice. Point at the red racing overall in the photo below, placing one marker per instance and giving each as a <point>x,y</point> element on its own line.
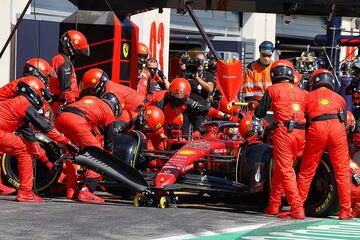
<point>64,87</point>
<point>288,103</point>
<point>14,113</point>
<point>9,90</point>
<point>80,119</point>
<point>132,99</point>
<point>129,120</point>
<point>326,132</point>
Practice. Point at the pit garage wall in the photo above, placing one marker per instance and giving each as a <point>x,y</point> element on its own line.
<point>349,28</point>
<point>9,10</point>
<point>149,24</point>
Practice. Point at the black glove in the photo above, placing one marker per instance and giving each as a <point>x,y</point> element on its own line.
<point>161,74</point>
<point>72,148</point>
<point>56,166</point>
<point>252,105</point>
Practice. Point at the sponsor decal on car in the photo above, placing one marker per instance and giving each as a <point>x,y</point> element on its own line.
<point>186,152</point>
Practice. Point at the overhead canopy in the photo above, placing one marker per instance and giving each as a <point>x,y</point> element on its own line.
<point>304,7</point>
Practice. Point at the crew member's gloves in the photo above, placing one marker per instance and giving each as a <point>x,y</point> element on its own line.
<point>72,148</point>
<point>252,105</point>
<point>56,166</point>
<point>161,74</point>
<point>231,118</point>
<point>163,137</point>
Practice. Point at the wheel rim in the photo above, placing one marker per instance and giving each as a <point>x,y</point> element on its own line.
<point>137,200</point>
<point>322,192</point>
<point>44,178</point>
<point>163,202</point>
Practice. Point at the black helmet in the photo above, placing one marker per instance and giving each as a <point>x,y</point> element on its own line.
<point>114,103</point>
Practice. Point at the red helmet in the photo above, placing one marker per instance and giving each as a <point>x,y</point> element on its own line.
<point>177,122</point>
<point>73,42</point>
<point>298,78</point>
<point>39,68</point>
<point>180,88</point>
<point>94,79</point>
<point>322,78</point>
<point>350,122</point>
<point>248,127</point>
<point>282,70</point>
<point>143,49</point>
<point>33,89</point>
<point>154,118</point>
<point>116,104</point>
<point>227,107</point>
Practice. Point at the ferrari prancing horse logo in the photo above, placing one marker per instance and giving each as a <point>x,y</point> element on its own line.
<point>125,50</point>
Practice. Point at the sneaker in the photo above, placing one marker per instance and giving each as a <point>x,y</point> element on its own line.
<point>272,209</point>
<point>86,196</point>
<point>294,214</point>
<point>70,193</point>
<point>345,216</point>
<point>356,211</point>
<point>28,196</point>
<point>4,190</point>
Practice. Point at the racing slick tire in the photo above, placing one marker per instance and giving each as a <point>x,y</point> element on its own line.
<point>255,171</point>
<point>323,197</point>
<point>44,178</point>
<point>128,148</point>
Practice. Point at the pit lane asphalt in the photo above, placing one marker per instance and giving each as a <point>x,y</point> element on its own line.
<point>119,219</point>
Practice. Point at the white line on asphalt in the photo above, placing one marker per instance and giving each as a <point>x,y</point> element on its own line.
<point>288,234</point>
<point>335,230</point>
<point>332,232</point>
<point>210,233</point>
<point>283,238</point>
<point>357,224</point>
<point>335,227</point>
<point>313,233</point>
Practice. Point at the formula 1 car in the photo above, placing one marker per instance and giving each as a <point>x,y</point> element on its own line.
<point>222,163</point>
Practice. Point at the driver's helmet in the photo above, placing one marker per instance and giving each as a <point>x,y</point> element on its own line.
<point>232,133</point>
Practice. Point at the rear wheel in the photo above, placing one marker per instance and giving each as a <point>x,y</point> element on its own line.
<point>44,178</point>
<point>322,198</point>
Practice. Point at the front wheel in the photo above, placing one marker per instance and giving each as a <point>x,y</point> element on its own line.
<point>44,178</point>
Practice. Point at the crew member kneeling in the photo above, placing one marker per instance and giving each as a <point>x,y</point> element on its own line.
<point>288,103</point>
<point>326,110</point>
